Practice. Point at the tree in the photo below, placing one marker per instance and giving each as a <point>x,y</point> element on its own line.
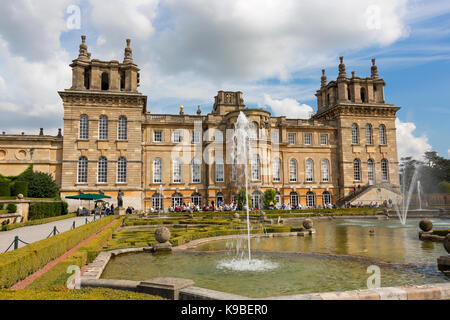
<point>40,184</point>
<point>241,199</point>
<point>269,198</point>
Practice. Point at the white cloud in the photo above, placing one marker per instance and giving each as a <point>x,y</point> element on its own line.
<point>408,145</point>
<point>289,107</point>
<point>448,152</point>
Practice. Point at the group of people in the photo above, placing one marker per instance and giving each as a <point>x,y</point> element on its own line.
<point>102,209</point>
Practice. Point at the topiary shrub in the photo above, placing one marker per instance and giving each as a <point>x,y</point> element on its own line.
<point>40,184</point>
<point>19,187</point>
<point>11,207</point>
<point>269,198</point>
<point>444,187</point>
<point>5,189</point>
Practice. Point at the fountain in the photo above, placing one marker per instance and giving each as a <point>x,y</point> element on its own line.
<point>402,208</point>
<point>419,191</point>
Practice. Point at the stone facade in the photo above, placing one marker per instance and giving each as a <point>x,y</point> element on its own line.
<point>111,142</point>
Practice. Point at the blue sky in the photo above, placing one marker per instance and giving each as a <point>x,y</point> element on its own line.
<point>272,51</point>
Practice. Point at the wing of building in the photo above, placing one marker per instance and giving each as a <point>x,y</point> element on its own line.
<point>112,143</point>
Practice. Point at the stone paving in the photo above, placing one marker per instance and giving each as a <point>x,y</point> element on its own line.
<point>35,233</point>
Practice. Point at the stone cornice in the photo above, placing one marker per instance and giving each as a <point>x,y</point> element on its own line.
<point>362,109</point>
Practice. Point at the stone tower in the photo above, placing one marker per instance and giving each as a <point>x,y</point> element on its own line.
<point>366,132</point>
<point>103,114</point>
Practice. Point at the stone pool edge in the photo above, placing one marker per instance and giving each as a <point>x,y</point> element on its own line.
<point>184,289</point>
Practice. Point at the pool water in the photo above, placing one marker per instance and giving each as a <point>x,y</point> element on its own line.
<point>336,258</point>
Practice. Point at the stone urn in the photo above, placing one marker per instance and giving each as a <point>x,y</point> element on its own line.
<point>236,215</point>
<point>426,225</point>
<point>447,243</point>
<point>308,224</point>
<point>20,196</point>
<point>162,234</point>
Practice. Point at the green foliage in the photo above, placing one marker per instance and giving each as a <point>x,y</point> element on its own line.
<point>5,189</point>
<point>444,187</point>
<point>241,199</point>
<point>269,198</point>
<point>11,208</point>
<point>1,206</point>
<point>19,187</point>
<point>18,264</point>
<point>40,184</point>
<point>41,210</point>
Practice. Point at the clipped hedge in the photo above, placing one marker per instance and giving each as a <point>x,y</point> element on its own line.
<point>5,189</point>
<point>18,264</point>
<point>11,208</point>
<point>41,210</point>
<point>19,187</point>
<point>278,229</point>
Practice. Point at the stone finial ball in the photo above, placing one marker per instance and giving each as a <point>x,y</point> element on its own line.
<point>447,243</point>
<point>308,224</point>
<point>236,215</point>
<point>20,196</point>
<point>426,225</point>
<point>162,234</point>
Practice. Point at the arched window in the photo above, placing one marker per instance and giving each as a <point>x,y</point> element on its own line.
<point>256,200</point>
<point>326,198</point>
<point>122,80</point>
<point>177,200</point>
<point>384,170</point>
<point>292,170</point>
<point>371,171</point>
<point>349,94</point>
<point>158,201</point>
<point>122,170</point>
<point>276,168</point>
<point>369,135</point>
<point>196,170</point>
<point>157,170</point>
<point>82,170</point>
<point>325,170</point>
<point>196,199</point>
<point>355,134</point>
<point>103,128</point>
<point>84,127</point>
<point>87,78</point>
<point>383,139</point>
<point>253,134</point>
<point>102,170</point>
<point>176,170</point>
<point>122,130</point>
<point>357,170</point>
<point>256,168</point>
<point>220,171</point>
<point>311,199</point>
<point>105,81</point>
<point>278,198</point>
<point>293,197</point>
<point>309,170</point>
<point>363,95</point>
<point>220,198</point>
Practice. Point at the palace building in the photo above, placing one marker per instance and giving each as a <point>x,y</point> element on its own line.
<point>111,142</point>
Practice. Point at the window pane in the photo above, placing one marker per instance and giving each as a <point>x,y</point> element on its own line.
<point>102,175</point>
<point>122,170</point>
<point>103,128</point>
<point>122,133</point>
<point>84,127</point>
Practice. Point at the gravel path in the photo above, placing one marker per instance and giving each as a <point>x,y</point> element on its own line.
<point>38,232</point>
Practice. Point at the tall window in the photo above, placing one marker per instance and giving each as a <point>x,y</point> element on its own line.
<point>326,198</point>
<point>196,199</point>
<point>291,138</point>
<point>383,139</point>
<point>196,137</point>
<point>157,201</point>
<point>122,170</point>
<point>219,170</point>
<point>177,136</point>
<point>370,171</point>
<point>308,139</point>
<point>102,170</point>
<point>274,134</point>
<point>325,170</point>
<point>292,170</point>
<point>276,168</point>
<point>234,170</point>
<point>122,132</point>
<point>256,168</point>
<point>253,131</point>
<point>355,134</point>
<point>324,139</point>
<point>256,200</point>
<point>157,170</point>
<point>177,170</point>
<point>105,81</point>
<point>369,135</point>
<point>310,199</point>
<point>293,197</point>
<point>196,171</point>
<point>309,170</point>
<point>103,128</point>
<point>363,95</point>
<point>177,200</point>
<point>219,198</point>
<point>157,136</point>
<point>356,170</point>
<point>384,170</point>
<point>84,127</point>
<point>82,170</point>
